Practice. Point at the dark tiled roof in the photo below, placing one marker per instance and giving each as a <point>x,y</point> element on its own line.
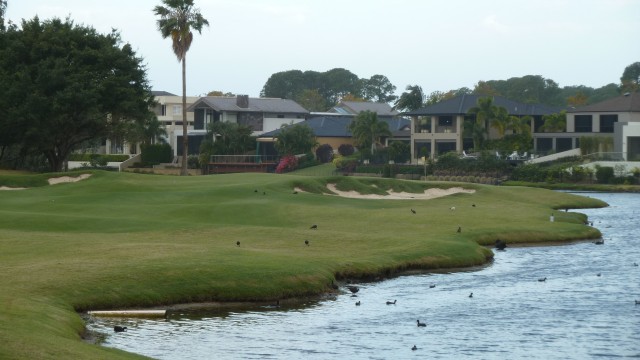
<point>355,107</point>
<point>624,103</point>
<point>460,105</point>
<point>264,105</point>
<point>161,93</point>
<point>338,126</point>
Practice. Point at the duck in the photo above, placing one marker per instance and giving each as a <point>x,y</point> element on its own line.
<point>471,295</point>
<point>414,348</point>
<point>599,242</point>
<point>500,244</point>
<point>420,324</point>
<point>358,303</point>
<point>391,302</point>
<point>119,328</point>
<point>542,279</point>
<point>432,286</point>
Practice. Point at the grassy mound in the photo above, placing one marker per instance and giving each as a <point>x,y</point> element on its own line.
<point>129,240</point>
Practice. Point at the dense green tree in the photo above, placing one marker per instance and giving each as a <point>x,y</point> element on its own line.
<point>147,132</point>
<point>311,100</point>
<point>295,139</point>
<point>220,93</point>
<point>555,122</point>
<point>65,85</point>
<point>285,85</point>
<point>630,79</point>
<point>411,99</point>
<point>230,138</point>
<point>367,130</point>
<point>339,82</point>
<point>526,89</point>
<point>177,20</point>
<point>378,88</point>
<point>3,10</point>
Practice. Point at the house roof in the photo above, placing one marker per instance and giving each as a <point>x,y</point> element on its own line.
<point>161,93</point>
<point>460,105</point>
<point>629,102</point>
<point>264,105</point>
<point>338,126</point>
<point>355,107</point>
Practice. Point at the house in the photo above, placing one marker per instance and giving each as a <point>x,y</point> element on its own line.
<point>334,130</point>
<point>618,118</point>
<point>383,110</point>
<point>168,109</point>
<point>438,128</point>
<point>260,114</point>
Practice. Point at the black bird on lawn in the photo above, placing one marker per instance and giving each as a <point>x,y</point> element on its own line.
<point>459,229</point>
<point>413,211</point>
<point>295,193</point>
<point>238,243</point>
<point>119,328</point>
<point>306,242</point>
<point>314,227</point>
<point>421,324</point>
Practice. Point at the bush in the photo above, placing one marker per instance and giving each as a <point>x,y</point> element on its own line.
<point>604,174</point>
<point>307,161</point>
<point>324,153</point>
<point>156,153</point>
<point>98,158</point>
<point>346,149</point>
<point>287,163</point>
<point>193,162</point>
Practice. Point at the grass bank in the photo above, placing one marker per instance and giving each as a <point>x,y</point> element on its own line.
<point>576,187</point>
<point>119,240</point>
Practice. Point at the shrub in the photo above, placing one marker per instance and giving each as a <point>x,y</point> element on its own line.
<point>103,158</point>
<point>346,149</point>
<point>604,174</point>
<point>287,163</point>
<point>156,153</point>
<point>324,153</point>
<point>193,162</point>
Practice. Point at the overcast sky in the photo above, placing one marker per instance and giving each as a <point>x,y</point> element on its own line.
<point>437,44</point>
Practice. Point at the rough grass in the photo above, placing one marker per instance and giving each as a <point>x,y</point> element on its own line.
<point>129,240</point>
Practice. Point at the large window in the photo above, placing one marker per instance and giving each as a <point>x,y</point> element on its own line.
<point>607,123</point>
<point>583,123</point>
<point>445,121</point>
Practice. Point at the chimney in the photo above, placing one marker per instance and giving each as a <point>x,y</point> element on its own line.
<point>242,101</point>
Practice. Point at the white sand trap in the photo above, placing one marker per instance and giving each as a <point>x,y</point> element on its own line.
<point>10,188</point>
<point>67,179</point>
<point>428,194</point>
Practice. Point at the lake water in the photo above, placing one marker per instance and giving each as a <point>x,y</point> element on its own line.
<point>584,310</point>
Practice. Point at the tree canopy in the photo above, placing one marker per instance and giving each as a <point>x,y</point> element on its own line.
<point>318,91</point>
<point>295,139</point>
<point>65,85</point>
<point>630,79</point>
<point>367,129</point>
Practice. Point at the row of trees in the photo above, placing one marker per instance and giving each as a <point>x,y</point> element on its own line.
<point>318,91</point>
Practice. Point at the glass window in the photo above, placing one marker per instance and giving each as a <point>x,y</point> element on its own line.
<point>445,121</point>
<point>177,109</point>
<point>607,122</point>
<point>583,123</point>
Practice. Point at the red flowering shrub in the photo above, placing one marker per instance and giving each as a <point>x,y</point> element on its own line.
<point>287,163</point>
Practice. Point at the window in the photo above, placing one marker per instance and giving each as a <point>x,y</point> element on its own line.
<point>445,121</point>
<point>583,123</point>
<point>607,122</point>
<point>177,109</point>
<point>163,110</point>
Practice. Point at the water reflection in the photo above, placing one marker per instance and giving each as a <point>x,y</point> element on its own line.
<point>585,309</point>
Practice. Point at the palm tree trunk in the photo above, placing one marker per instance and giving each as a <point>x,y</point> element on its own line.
<point>185,138</point>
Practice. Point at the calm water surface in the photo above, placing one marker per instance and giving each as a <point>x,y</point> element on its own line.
<point>574,314</point>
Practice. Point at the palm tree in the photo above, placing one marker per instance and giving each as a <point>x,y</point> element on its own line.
<point>177,19</point>
<point>485,112</point>
<point>501,120</point>
<point>555,122</point>
<point>410,100</point>
<point>367,129</point>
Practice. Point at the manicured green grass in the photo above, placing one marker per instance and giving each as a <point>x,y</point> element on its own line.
<point>120,240</point>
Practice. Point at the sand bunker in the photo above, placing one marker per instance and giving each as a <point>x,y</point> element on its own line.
<point>67,179</point>
<point>428,194</point>
<point>53,181</point>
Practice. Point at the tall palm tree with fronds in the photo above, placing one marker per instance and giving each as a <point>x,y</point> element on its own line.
<point>367,129</point>
<point>485,112</point>
<point>177,20</point>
